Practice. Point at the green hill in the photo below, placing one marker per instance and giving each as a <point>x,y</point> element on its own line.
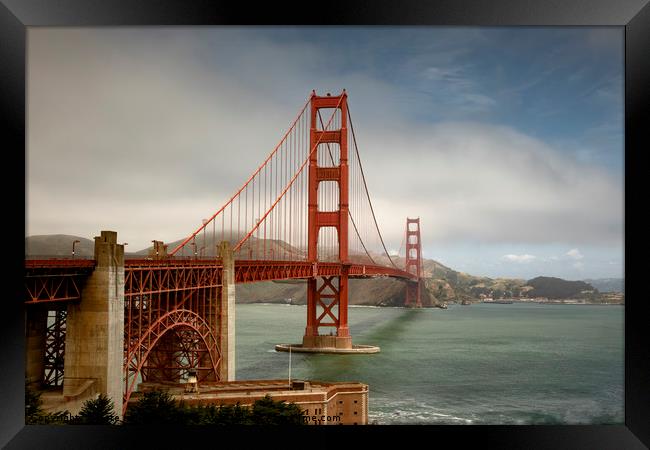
<point>551,287</point>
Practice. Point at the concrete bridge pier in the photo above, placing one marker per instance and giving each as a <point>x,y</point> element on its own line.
<point>227,311</point>
<point>35,328</point>
<point>94,347</point>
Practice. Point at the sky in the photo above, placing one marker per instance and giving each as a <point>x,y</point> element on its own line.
<point>508,143</point>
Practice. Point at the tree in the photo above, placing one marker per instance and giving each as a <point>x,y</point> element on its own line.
<point>159,407</point>
<point>218,415</point>
<point>155,407</point>
<point>99,411</point>
<point>266,411</point>
<point>34,414</point>
<point>233,415</point>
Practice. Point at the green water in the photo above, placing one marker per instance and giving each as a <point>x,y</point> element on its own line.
<point>478,364</point>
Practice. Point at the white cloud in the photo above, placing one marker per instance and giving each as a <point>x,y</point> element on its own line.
<point>578,265</point>
<point>519,258</point>
<point>574,253</point>
<point>485,183</point>
<point>149,136</point>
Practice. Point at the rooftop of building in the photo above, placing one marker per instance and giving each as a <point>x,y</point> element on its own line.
<point>249,388</point>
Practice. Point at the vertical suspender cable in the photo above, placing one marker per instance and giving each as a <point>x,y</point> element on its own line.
<point>366,189</point>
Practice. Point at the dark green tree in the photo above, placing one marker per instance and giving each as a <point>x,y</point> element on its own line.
<point>266,411</point>
<point>99,411</point>
<point>192,415</point>
<point>34,414</point>
<point>228,415</point>
<point>155,407</point>
<point>159,407</point>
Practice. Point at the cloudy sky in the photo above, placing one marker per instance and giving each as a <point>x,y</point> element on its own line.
<point>506,142</point>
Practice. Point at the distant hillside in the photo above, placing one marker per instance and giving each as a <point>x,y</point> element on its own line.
<point>59,245</point>
<point>608,284</point>
<point>206,246</point>
<point>374,292</point>
<point>551,287</point>
<point>52,245</point>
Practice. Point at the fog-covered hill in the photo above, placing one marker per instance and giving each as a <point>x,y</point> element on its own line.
<point>58,245</point>
<point>608,284</point>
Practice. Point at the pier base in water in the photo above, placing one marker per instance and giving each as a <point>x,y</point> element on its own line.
<point>355,349</point>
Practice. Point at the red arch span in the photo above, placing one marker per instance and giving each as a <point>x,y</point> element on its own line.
<point>164,324</point>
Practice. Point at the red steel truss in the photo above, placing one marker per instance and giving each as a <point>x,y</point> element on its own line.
<point>172,306</point>
<point>55,280</point>
<point>172,320</point>
<point>172,309</point>
<point>54,347</point>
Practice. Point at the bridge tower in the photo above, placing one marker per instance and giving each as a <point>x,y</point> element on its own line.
<point>413,262</point>
<point>327,296</point>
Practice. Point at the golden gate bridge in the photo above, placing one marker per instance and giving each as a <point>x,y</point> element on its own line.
<point>305,213</point>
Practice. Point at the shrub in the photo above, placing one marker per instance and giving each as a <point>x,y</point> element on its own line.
<point>34,414</point>
<point>159,407</point>
<point>155,407</point>
<point>266,411</point>
<point>99,411</point>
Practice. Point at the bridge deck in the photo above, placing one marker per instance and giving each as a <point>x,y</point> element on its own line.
<point>60,279</point>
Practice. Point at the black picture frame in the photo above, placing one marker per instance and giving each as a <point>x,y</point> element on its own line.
<point>633,15</point>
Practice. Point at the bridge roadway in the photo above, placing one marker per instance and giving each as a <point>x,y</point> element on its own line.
<point>59,280</point>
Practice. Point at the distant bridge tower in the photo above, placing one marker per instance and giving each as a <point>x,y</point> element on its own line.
<point>413,262</point>
<point>327,296</point>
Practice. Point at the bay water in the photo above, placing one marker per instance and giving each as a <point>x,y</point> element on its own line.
<point>469,364</point>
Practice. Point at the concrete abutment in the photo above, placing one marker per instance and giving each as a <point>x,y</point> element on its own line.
<point>35,341</point>
<point>94,346</point>
<point>227,312</point>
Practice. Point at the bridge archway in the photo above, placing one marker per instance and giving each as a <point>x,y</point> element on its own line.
<point>204,341</point>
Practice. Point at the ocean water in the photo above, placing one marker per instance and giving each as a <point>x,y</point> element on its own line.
<point>476,364</point>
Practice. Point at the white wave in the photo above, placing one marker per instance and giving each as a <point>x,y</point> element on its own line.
<point>421,416</point>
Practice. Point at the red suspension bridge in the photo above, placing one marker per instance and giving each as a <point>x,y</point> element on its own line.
<point>305,213</point>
